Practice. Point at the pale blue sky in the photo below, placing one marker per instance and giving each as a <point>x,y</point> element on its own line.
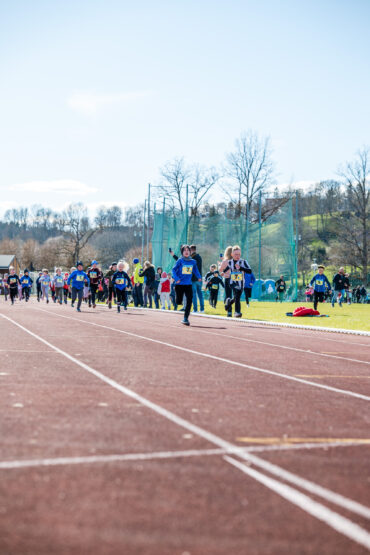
<point>96,95</point>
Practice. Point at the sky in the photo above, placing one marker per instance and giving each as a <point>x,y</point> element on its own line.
<point>97,95</point>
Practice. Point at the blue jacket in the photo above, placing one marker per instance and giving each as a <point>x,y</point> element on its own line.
<point>249,280</point>
<point>183,271</point>
<point>318,281</point>
<point>120,280</point>
<point>77,279</point>
<point>26,281</point>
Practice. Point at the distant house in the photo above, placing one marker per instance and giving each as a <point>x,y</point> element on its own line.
<point>7,260</point>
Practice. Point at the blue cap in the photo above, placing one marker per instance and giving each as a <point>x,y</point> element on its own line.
<point>79,263</point>
<point>135,261</point>
<point>94,262</point>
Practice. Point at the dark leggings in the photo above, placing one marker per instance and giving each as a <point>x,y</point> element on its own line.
<point>77,293</point>
<point>13,292</point>
<point>186,290</point>
<point>213,296</point>
<point>93,289</point>
<point>26,293</point>
<point>317,297</point>
<point>237,294</point>
<point>248,294</point>
<point>121,297</point>
<point>228,290</point>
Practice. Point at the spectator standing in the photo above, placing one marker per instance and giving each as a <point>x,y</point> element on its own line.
<point>196,284</point>
<point>338,285</point>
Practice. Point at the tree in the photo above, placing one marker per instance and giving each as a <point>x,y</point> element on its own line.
<point>354,223</point>
<point>177,176</point>
<point>250,169</point>
<point>77,231</point>
<point>108,217</point>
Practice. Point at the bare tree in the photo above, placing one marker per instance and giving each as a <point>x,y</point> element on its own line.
<point>354,223</point>
<point>201,182</point>
<point>175,175</point>
<point>250,169</point>
<point>78,230</point>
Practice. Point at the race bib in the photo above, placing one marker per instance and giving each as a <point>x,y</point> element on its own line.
<point>237,276</point>
<point>12,280</point>
<point>319,282</point>
<point>93,275</point>
<point>59,281</point>
<point>187,270</point>
<point>120,281</point>
<point>214,286</point>
<point>25,281</point>
<point>80,277</point>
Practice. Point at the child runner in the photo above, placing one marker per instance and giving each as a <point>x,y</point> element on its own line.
<point>20,289</point>
<point>249,280</point>
<point>226,275</point>
<point>13,281</point>
<point>65,287</point>
<point>213,284</point>
<point>164,289</point>
<point>95,275</point>
<point>6,286</point>
<point>45,284</point>
<point>26,282</point>
<point>182,273</point>
<point>318,281</point>
<point>112,270</point>
<point>77,279</point>
<point>58,282</point>
<point>120,281</point>
<point>212,269</point>
<point>38,286</point>
<point>238,267</point>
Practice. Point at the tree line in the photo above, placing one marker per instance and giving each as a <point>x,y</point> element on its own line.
<point>333,216</point>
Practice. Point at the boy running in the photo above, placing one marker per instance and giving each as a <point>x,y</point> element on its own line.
<point>319,283</point>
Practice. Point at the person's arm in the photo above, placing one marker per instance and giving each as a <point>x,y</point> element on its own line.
<point>312,280</point>
<point>221,282</point>
<point>328,282</point>
<point>88,280</point>
<point>196,272</point>
<point>244,266</point>
<point>175,270</point>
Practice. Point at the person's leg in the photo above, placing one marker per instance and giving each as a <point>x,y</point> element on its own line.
<point>188,289</point>
<point>237,294</point>
<point>200,295</point>
<point>150,297</point>
<point>140,294</point>
<point>74,295</point>
<point>215,298</point>
<point>119,299</point>
<point>179,291</point>
<point>195,300</point>
<point>316,297</point>
<point>80,293</point>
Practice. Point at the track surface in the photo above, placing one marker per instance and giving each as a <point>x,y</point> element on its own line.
<point>128,434</point>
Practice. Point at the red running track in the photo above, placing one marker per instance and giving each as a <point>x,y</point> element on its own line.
<point>127,433</point>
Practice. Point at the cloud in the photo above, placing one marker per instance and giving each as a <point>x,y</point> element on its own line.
<point>88,103</point>
<point>59,186</point>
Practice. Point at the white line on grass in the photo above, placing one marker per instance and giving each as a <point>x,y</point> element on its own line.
<point>219,359</point>
<point>232,449</point>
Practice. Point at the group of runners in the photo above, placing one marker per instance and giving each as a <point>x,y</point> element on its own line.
<point>183,286</point>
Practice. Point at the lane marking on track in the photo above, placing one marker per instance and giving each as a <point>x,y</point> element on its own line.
<point>63,461</point>
<point>337,522</point>
<point>303,483</point>
<point>321,376</point>
<point>287,440</point>
<point>214,357</point>
<point>90,459</point>
<point>307,351</point>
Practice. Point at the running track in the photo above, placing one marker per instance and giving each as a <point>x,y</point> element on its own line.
<point>129,434</point>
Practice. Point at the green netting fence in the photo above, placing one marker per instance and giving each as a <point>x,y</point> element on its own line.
<point>269,247</point>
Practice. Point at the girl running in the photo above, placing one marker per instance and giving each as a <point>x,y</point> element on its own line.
<point>238,267</point>
<point>226,275</point>
<point>45,284</point>
<point>77,280</point>
<point>13,281</point>
<point>26,282</point>
<point>58,282</point>
<point>182,273</point>
<point>120,281</point>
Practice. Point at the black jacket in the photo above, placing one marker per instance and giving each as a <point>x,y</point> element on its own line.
<point>338,282</point>
<point>149,274</point>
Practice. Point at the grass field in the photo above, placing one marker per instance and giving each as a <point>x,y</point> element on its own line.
<point>351,317</point>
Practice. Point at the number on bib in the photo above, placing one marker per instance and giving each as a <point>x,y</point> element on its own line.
<point>80,277</point>
<point>187,270</point>
<point>236,276</point>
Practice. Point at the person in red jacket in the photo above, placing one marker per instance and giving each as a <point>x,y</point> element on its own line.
<point>164,290</point>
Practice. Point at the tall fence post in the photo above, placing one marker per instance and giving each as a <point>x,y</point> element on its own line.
<point>296,245</point>
<point>143,234</point>
<point>148,228</point>
<point>187,214</point>
<point>162,229</point>
<point>259,245</point>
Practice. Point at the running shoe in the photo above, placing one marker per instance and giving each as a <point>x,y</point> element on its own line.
<point>186,322</point>
<point>238,314</point>
<point>78,309</point>
<point>228,303</point>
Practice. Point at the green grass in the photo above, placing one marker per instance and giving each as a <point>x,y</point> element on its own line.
<point>350,317</point>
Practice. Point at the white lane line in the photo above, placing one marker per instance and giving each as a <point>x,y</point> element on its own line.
<point>62,461</point>
<point>90,459</point>
<point>326,494</point>
<point>337,522</point>
<point>306,351</point>
<point>219,359</point>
